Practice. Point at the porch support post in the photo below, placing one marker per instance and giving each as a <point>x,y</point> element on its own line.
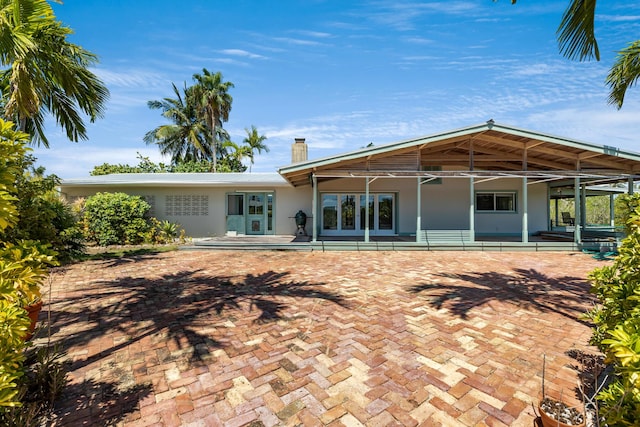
<point>366,210</point>
<point>577,207</point>
<point>630,189</point>
<point>472,210</point>
<point>557,215</point>
<point>583,207</point>
<point>314,208</point>
<point>525,211</point>
<point>612,213</point>
<point>418,210</point>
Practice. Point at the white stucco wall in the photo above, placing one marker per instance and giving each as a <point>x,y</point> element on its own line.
<point>445,206</point>
<point>288,201</point>
<point>508,222</point>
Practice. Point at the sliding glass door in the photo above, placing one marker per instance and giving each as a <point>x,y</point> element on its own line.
<point>345,213</point>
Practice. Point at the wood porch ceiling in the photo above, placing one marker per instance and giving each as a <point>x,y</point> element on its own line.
<point>490,152</point>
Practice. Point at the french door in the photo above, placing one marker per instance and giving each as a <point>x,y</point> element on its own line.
<point>346,213</point>
<point>250,213</point>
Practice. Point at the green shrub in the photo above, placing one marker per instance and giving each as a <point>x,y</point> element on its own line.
<point>625,206</point>
<point>42,214</point>
<point>116,219</point>
<point>617,328</point>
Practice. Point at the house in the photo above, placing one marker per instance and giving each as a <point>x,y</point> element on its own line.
<point>487,182</point>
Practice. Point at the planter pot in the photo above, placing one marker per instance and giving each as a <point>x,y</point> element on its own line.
<point>34,312</point>
<point>548,421</point>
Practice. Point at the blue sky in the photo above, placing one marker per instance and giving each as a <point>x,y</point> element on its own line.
<point>343,74</point>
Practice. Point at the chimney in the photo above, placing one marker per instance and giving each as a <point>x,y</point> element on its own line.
<point>299,151</point>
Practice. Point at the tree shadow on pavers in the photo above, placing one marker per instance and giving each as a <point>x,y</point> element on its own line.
<point>98,403</point>
<point>123,257</point>
<point>524,288</point>
<point>187,310</point>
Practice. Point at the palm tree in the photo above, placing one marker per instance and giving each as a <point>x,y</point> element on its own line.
<point>234,158</point>
<point>255,142</point>
<point>186,138</point>
<point>211,95</point>
<point>576,37</point>
<point>46,73</point>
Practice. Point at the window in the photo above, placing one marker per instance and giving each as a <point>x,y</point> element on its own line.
<point>504,201</point>
<point>235,204</point>
<point>433,169</point>
<point>270,212</point>
<point>256,204</point>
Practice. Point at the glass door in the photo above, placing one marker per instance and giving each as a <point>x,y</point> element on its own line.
<point>235,214</point>
<point>347,213</point>
<point>385,213</point>
<point>255,213</point>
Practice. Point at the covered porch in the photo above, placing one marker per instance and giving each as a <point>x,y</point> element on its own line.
<point>578,234</point>
<point>469,187</point>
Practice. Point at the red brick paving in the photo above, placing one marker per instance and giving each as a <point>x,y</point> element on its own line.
<point>337,338</point>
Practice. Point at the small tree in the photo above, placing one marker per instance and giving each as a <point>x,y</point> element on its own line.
<point>116,219</point>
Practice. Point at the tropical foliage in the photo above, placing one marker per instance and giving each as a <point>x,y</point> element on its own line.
<point>213,103</point>
<point>598,209</point>
<point>195,134</point>
<point>43,215</point>
<point>23,268</point>
<point>45,73</point>
<point>226,164</point>
<point>577,41</point>
<point>254,142</point>
<point>617,328</point>
<point>185,139</point>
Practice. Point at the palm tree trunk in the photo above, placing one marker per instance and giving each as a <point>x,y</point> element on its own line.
<point>214,141</point>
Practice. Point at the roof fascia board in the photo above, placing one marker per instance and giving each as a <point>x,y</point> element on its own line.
<point>372,151</point>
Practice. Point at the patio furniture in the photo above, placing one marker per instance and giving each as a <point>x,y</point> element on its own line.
<point>567,219</point>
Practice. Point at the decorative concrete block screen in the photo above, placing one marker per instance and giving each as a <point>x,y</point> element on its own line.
<point>187,205</point>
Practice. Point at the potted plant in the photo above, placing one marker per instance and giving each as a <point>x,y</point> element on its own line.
<point>24,266</point>
<point>556,413</point>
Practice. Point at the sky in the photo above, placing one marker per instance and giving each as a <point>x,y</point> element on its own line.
<point>344,74</point>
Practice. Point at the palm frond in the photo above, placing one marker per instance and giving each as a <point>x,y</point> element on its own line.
<point>624,73</point>
<point>576,33</point>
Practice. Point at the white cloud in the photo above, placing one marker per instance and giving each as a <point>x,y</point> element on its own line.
<point>242,53</point>
<point>130,78</point>
<point>299,42</point>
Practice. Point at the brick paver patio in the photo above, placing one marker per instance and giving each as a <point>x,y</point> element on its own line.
<point>341,338</point>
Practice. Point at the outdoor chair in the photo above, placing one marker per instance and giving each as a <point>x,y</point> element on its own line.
<point>567,219</point>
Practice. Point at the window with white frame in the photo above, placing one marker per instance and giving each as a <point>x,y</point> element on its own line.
<point>496,201</point>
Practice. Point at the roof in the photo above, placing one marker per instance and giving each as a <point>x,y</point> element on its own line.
<point>485,147</point>
<point>272,179</point>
